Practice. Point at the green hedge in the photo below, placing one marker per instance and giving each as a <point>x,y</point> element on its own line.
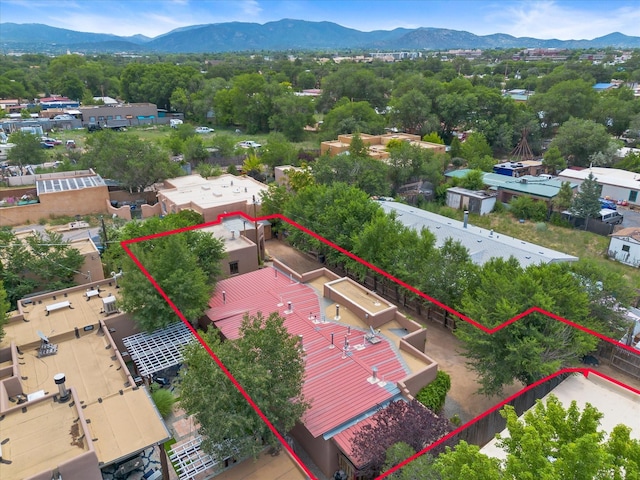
<point>433,395</point>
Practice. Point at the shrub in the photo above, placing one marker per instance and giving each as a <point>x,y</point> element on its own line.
<point>164,401</point>
<point>541,227</point>
<point>529,209</point>
<point>434,395</point>
<point>499,207</point>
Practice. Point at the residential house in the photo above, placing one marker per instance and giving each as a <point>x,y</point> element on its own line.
<point>212,197</point>
<point>69,405</point>
<point>543,187</point>
<point>58,194</point>
<point>617,185</point>
<point>377,144</point>
<point>625,246</point>
<point>361,353</point>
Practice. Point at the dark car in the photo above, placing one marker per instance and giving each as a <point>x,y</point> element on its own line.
<point>93,127</point>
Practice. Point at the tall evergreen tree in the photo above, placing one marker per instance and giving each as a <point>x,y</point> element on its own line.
<point>586,203</point>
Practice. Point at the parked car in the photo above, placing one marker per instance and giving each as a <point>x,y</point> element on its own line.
<point>70,144</point>
<point>64,117</point>
<point>204,130</point>
<point>93,127</point>
<point>47,144</point>
<point>248,144</point>
<point>606,203</point>
<point>174,122</point>
<point>610,216</point>
<point>55,141</point>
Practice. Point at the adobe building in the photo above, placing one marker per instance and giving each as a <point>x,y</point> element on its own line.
<point>69,406</point>
<point>81,192</point>
<point>215,196</point>
<point>91,269</point>
<point>361,353</point>
<point>377,144</point>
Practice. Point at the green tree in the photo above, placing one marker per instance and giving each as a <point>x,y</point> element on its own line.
<point>434,395</point>
<point>43,261</point>
<point>577,139</point>
<point>194,150</point>
<point>267,362</point>
<point>412,113</point>
<point>528,208</point>
<point>535,346</point>
<point>351,117</point>
<point>27,149</point>
<point>564,198</point>
<point>135,163</point>
<point>467,462</point>
<point>475,148</point>
<point>586,203</point>
<point>291,114</point>
<point>277,151</point>
<point>456,147</point>
<point>421,467</point>
<point>571,98</point>
<point>4,309</point>
<point>473,180</point>
<point>175,269</point>
<point>356,84</point>
<point>550,441</point>
<point>553,161</point>
<point>433,137</point>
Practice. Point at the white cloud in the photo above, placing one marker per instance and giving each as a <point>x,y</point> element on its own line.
<point>251,7</point>
<point>550,19</point>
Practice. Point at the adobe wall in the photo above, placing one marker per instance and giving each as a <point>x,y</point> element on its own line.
<point>324,453</point>
<point>56,204</point>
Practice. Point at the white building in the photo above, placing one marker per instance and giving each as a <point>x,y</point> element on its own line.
<point>625,246</point>
<point>616,184</point>
<point>617,404</point>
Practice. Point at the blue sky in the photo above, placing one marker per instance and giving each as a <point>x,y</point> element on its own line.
<point>562,19</point>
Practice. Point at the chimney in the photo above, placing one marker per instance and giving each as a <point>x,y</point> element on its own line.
<point>59,378</point>
<point>466,218</point>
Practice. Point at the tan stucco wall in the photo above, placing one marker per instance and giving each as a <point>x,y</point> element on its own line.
<point>324,453</point>
<point>56,204</point>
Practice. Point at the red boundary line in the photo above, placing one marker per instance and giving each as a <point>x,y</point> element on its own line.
<point>585,371</point>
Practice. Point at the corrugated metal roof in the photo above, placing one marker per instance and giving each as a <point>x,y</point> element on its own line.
<point>336,383</point>
<point>482,244</point>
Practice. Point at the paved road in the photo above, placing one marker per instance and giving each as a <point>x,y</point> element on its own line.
<point>631,217</point>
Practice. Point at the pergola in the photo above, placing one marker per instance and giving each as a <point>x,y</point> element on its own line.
<point>158,350</point>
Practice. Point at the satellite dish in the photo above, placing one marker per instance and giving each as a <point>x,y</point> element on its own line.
<point>42,336</point>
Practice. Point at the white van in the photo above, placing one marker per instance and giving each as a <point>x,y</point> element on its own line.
<point>174,122</point>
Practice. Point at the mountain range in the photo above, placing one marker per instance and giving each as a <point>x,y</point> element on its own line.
<point>282,35</point>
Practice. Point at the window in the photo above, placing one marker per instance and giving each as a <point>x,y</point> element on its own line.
<point>625,248</point>
<point>233,268</point>
<point>633,195</point>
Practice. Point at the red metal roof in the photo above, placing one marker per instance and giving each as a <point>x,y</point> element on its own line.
<point>336,384</point>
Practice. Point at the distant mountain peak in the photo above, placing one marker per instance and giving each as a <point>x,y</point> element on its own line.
<point>285,34</point>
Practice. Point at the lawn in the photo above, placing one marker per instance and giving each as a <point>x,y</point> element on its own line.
<point>579,243</point>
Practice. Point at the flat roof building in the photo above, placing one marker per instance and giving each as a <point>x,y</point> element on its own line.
<point>617,404</point>
<point>377,144</point>
<point>68,404</point>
